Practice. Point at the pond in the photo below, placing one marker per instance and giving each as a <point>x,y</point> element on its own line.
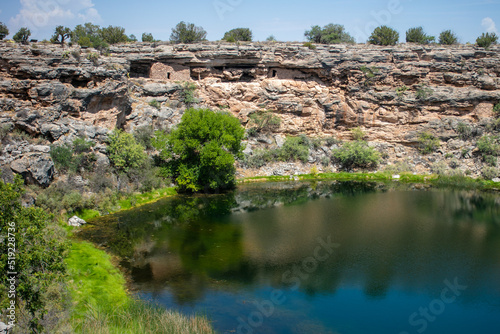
<point>317,257</point>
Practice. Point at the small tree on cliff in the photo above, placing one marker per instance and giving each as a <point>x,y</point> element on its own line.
<point>417,35</point>
<point>200,153</point>
<point>22,35</point>
<point>187,33</point>
<point>113,35</point>
<point>329,34</point>
<point>60,35</point>
<point>448,37</point>
<point>384,36</point>
<point>4,31</point>
<point>238,34</point>
<point>147,37</point>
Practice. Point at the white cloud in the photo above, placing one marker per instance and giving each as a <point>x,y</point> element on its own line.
<point>42,16</point>
<point>489,25</point>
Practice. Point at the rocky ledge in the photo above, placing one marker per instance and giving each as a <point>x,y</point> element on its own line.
<point>392,93</point>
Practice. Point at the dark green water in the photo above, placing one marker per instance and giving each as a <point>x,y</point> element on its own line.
<point>323,257</point>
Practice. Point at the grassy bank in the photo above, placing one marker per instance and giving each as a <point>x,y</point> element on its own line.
<point>101,303</point>
<point>453,181</point>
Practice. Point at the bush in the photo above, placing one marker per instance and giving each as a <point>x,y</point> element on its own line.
<point>187,33</point>
<point>60,35</point>
<point>465,131</point>
<point>271,38</point>
<point>309,45</point>
<point>155,104</point>
<point>357,134</point>
<point>143,135</point>
<point>356,154</point>
<point>187,93</point>
<point>398,168</point>
<point>22,35</point>
<point>147,37</point>
<point>265,121</point>
<point>238,34</point>
<point>489,173</point>
<point>40,251</point>
<point>489,146</point>
<point>417,35</point>
<point>201,151</point>
<point>423,92</point>
<point>384,35</point>
<point>94,58</point>
<point>427,143</point>
<point>496,109</point>
<point>124,152</point>
<point>88,35</point>
<point>62,156</point>
<point>448,37</point>
<point>4,31</point>
<point>329,34</point>
<point>486,40</point>
<point>294,148</point>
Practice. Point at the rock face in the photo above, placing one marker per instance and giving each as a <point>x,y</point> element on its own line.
<point>392,93</point>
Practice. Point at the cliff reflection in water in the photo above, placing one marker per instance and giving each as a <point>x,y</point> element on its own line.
<point>248,239</point>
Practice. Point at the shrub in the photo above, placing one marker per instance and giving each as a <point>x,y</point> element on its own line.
<point>400,91</point>
<point>427,143</point>
<point>423,92</point>
<point>384,35</point>
<point>329,34</point>
<point>94,58</point>
<point>486,40</point>
<point>132,38</point>
<point>62,156</point>
<point>187,33</point>
<point>260,158</point>
<point>40,251</point>
<point>80,145</point>
<point>155,104</point>
<point>201,151</point>
<point>489,173</point>
<point>489,146</point>
<point>88,35</point>
<point>464,130</point>
<point>357,134</point>
<point>309,45</point>
<point>124,152</point>
<point>271,38</point>
<point>448,37</point>
<point>22,35</point>
<point>417,35</point>
<point>147,37</point>
<point>398,168</point>
<point>60,35</point>
<point>294,148</point>
<point>143,135</point>
<point>4,31</point>
<point>265,121</point>
<point>496,109</point>
<point>187,93</point>
<point>238,34</point>
<point>356,154</point>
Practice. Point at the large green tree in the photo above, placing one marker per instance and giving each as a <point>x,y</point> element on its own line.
<point>38,256</point>
<point>113,35</point>
<point>329,34</point>
<point>187,33</point>
<point>4,31</point>
<point>201,151</point>
<point>88,35</point>
<point>417,35</point>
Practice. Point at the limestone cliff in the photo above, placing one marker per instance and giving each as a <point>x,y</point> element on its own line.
<point>392,93</point>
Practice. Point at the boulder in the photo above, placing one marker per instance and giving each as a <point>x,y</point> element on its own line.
<point>34,168</point>
<point>5,329</point>
<point>76,221</point>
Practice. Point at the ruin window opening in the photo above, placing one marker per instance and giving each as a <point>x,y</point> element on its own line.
<point>274,73</point>
<point>168,75</point>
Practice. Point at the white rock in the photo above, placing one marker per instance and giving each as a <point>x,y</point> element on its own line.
<point>396,177</point>
<point>76,221</point>
<point>496,179</point>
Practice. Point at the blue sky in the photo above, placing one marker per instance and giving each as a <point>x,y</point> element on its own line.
<point>286,20</point>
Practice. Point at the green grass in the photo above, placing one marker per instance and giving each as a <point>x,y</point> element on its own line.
<point>102,305</point>
<point>441,181</point>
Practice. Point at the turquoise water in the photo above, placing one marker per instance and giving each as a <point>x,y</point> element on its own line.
<point>323,257</point>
